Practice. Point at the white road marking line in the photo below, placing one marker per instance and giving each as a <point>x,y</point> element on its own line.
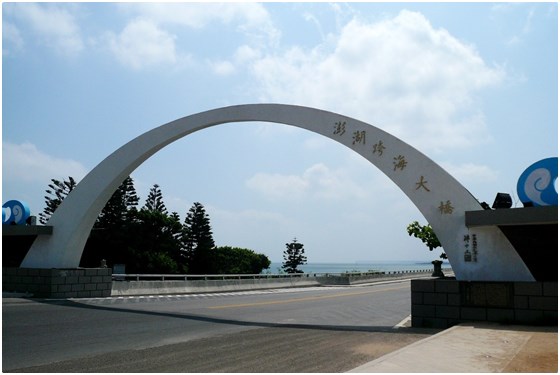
<point>403,322</point>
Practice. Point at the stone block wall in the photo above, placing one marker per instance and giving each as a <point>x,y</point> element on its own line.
<point>58,283</point>
<point>442,303</point>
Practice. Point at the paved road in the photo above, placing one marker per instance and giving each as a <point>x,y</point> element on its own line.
<point>321,329</point>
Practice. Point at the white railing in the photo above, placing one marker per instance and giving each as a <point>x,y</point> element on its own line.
<point>168,277</point>
<point>176,277</point>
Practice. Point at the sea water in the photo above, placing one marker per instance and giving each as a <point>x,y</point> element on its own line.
<point>385,266</point>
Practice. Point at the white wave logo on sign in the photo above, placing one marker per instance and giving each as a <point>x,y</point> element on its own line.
<point>15,212</point>
<point>537,185</point>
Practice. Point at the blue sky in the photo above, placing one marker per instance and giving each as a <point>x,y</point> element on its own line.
<point>474,86</point>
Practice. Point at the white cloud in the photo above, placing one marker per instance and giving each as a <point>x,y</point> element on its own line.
<point>24,162</point>
<point>317,143</point>
<point>11,36</point>
<point>278,185</point>
<point>311,18</point>
<point>251,19</point>
<point>469,173</point>
<point>261,230</point>
<point>401,74</point>
<point>247,217</point>
<point>317,181</point>
<point>146,41</point>
<point>528,22</point>
<point>142,44</point>
<point>55,26</point>
<point>328,184</point>
<point>222,68</point>
<point>525,30</point>
<point>245,54</point>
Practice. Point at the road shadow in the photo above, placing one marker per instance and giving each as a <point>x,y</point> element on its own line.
<point>215,320</point>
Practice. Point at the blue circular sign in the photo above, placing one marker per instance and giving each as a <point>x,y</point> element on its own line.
<point>15,212</point>
<point>537,185</point>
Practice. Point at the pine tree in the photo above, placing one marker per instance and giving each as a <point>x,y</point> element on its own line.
<point>176,227</point>
<point>115,212</point>
<point>155,201</point>
<point>129,191</point>
<point>294,257</point>
<point>197,239</point>
<point>109,240</point>
<point>58,190</point>
<point>154,237</point>
<point>152,246</point>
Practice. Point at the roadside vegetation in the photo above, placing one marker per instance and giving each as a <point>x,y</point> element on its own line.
<point>294,256</point>
<point>149,239</point>
<point>426,234</point>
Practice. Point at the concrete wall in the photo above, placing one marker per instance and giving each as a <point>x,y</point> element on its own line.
<point>58,283</point>
<point>99,282</point>
<point>134,288</point>
<point>146,287</point>
<point>442,303</point>
<point>361,278</point>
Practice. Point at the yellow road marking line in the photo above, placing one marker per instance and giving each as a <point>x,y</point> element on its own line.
<point>315,298</point>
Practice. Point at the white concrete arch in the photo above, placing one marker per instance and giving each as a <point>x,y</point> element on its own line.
<point>439,197</point>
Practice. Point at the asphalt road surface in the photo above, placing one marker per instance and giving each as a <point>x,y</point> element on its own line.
<point>316,329</point>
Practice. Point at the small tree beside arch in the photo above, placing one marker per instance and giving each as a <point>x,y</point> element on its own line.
<point>426,234</point>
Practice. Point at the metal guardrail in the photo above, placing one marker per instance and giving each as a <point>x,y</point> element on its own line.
<point>175,277</point>
<point>169,277</point>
